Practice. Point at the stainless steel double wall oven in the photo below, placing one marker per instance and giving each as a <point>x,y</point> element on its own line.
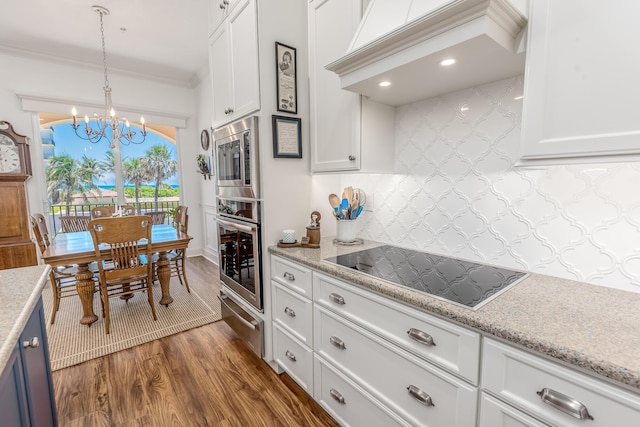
<point>239,227</point>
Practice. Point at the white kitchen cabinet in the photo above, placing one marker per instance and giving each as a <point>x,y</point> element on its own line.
<point>494,413</point>
<point>233,63</point>
<point>348,403</point>
<point>218,11</point>
<point>452,347</point>
<point>417,391</point>
<point>292,320</point>
<point>556,394</point>
<point>348,133</point>
<point>581,83</point>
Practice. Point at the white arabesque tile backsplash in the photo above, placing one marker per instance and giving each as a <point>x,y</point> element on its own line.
<point>460,194</point>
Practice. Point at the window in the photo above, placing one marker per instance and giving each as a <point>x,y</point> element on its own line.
<point>80,175</point>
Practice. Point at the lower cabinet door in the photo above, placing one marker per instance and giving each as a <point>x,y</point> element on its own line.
<point>295,358</point>
<point>419,392</point>
<point>556,394</point>
<point>348,403</point>
<point>13,398</point>
<point>494,413</point>
<point>37,372</point>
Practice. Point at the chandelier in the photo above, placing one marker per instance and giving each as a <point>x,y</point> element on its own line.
<point>120,127</point>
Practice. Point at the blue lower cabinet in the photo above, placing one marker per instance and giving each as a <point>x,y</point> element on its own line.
<point>26,389</point>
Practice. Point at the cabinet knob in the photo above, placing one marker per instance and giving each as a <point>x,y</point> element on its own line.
<point>289,312</point>
<point>33,343</point>
<point>352,157</point>
<point>228,110</point>
<point>222,6</point>
<point>289,276</point>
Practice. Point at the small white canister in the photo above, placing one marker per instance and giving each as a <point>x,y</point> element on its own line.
<point>288,236</point>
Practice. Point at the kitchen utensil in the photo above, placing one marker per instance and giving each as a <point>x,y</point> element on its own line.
<point>334,201</point>
<point>361,195</point>
<point>348,193</point>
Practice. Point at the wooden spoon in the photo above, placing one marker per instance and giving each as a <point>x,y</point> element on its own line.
<point>334,201</point>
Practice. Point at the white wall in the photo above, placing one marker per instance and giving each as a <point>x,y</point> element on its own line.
<point>207,205</point>
<point>459,194</point>
<point>77,84</point>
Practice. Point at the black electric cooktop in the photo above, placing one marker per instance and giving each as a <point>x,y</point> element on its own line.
<point>461,282</point>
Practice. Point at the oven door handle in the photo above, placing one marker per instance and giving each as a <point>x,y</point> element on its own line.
<point>251,325</point>
<point>241,227</point>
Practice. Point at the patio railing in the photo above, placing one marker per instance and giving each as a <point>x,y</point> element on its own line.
<point>85,209</point>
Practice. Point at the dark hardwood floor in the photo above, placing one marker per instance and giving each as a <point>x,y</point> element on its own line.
<point>201,377</point>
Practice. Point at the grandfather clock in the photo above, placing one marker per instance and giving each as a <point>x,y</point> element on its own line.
<point>16,247</point>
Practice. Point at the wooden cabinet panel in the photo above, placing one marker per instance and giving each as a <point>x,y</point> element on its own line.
<point>13,212</point>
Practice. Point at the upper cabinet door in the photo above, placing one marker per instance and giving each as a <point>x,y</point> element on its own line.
<point>219,66</point>
<point>243,38</point>
<point>218,11</point>
<point>233,57</point>
<point>335,113</point>
<point>581,83</point>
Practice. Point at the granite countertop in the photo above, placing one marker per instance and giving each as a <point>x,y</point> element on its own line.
<point>20,289</point>
<point>594,328</point>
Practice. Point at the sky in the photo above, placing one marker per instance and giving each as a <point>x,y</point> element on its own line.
<point>67,142</point>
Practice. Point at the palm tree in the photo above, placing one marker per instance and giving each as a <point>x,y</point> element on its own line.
<point>66,176</point>
<point>159,165</point>
<point>136,174</point>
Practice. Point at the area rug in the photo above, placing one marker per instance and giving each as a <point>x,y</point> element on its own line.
<point>132,323</point>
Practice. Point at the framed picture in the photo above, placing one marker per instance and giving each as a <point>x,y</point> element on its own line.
<point>286,70</point>
<point>287,137</point>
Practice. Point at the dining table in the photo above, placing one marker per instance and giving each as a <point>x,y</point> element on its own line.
<point>77,248</point>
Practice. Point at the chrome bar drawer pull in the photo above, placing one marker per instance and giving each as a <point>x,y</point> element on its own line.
<point>290,356</point>
<point>421,337</point>
<point>336,298</point>
<point>289,276</point>
<point>337,342</point>
<point>33,343</point>
<point>337,396</point>
<point>420,395</point>
<point>289,312</point>
<point>564,403</point>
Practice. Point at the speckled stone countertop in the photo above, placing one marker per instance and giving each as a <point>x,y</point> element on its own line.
<point>20,289</point>
<point>591,327</point>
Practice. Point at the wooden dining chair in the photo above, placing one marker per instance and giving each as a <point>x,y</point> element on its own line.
<point>72,223</point>
<point>102,211</point>
<point>176,256</point>
<point>63,280</point>
<point>128,210</point>
<point>157,216</point>
<point>126,269</point>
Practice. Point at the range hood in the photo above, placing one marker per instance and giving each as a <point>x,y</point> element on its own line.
<point>404,41</point>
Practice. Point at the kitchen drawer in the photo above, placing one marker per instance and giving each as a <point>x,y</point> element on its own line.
<point>393,376</point>
<point>294,357</point>
<point>293,276</point>
<point>456,349</point>
<point>517,376</point>
<point>494,413</point>
<point>348,403</point>
<point>293,312</point>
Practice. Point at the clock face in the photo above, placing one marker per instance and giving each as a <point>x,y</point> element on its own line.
<point>9,156</point>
